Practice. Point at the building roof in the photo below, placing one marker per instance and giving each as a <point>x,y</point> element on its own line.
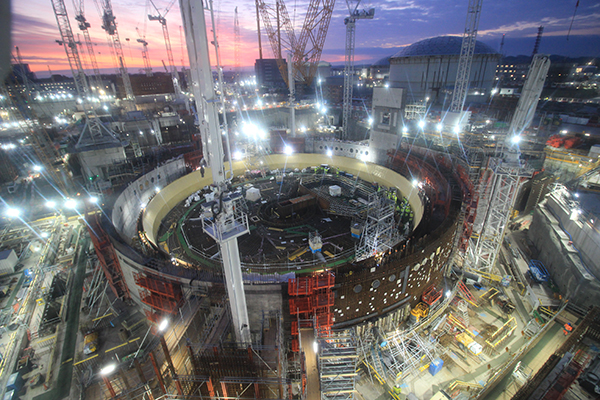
<point>384,62</point>
<point>5,254</point>
<point>441,46</point>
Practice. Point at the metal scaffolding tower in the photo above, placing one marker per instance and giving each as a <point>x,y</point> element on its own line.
<point>408,353</point>
<point>350,22</point>
<point>227,221</point>
<point>337,365</point>
<point>467,50</point>
<point>379,233</point>
<point>109,24</point>
<point>163,22</point>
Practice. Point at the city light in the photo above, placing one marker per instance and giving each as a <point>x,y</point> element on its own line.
<point>50,204</point>
<point>316,346</point>
<point>415,182</point>
<point>516,139</point>
<point>94,200</point>
<point>421,124</point>
<point>288,150</point>
<point>237,155</point>
<point>457,129</point>
<point>370,120</point>
<point>439,127</point>
<point>448,293</point>
<point>405,129</point>
<point>329,153</point>
<point>37,168</point>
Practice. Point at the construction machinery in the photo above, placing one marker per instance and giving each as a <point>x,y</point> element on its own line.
<point>350,22</point>
<point>305,48</point>
<point>109,24</point>
<point>84,26</point>
<point>505,304</point>
<point>160,17</point>
<point>466,342</point>
<point>145,56</point>
<point>418,313</point>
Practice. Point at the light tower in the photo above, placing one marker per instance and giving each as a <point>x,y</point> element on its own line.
<point>227,222</point>
<point>350,22</point>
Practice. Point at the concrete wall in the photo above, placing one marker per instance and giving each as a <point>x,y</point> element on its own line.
<point>93,161</point>
<point>562,260</point>
<point>428,76</point>
<point>179,190</point>
<point>134,198</point>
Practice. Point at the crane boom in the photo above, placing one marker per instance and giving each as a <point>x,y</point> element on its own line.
<point>467,50</point>
<point>163,22</point>
<point>145,55</point>
<point>109,24</point>
<point>306,48</point>
<point>84,26</point>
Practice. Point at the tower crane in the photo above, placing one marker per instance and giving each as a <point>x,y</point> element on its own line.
<point>163,22</point>
<point>93,130</point>
<point>228,221</point>
<point>350,21</point>
<point>306,48</point>
<point>467,49</point>
<point>236,43</point>
<point>507,170</point>
<point>109,24</point>
<point>145,56</point>
<point>84,26</point>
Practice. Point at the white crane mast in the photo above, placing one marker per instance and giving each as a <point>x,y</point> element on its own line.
<point>227,222</point>
<point>350,22</point>
<point>467,50</point>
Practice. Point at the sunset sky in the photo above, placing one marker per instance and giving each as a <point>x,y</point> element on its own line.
<point>396,24</point>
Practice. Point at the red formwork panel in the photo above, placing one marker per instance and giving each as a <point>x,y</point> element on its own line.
<point>323,299</point>
<point>159,302</point>
<point>294,328</point>
<point>295,345</point>
<point>162,287</point>
<point>300,286</point>
<point>324,280</point>
<point>300,305</point>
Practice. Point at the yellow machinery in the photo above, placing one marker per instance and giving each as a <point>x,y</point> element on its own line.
<point>467,342</point>
<point>420,311</point>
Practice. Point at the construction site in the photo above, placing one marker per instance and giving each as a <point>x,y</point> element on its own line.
<point>213,242</point>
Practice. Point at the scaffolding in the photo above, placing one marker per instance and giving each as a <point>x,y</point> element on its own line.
<point>337,365</point>
<point>379,233</point>
<point>408,354</point>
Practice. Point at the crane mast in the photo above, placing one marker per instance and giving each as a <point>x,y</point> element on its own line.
<point>350,23</point>
<point>467,49</point>
<point>84,28</point>
<point>145,56</point>
<point>109,24</point>
<point>508,171</point>
<point>93,130</point>
<point>306,48</point>
<point>163,22</point>
<point>228,222</point>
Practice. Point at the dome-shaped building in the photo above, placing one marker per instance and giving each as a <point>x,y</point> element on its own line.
<point>428,69</point>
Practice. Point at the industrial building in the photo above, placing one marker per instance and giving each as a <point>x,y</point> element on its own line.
<point>225,246</point>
